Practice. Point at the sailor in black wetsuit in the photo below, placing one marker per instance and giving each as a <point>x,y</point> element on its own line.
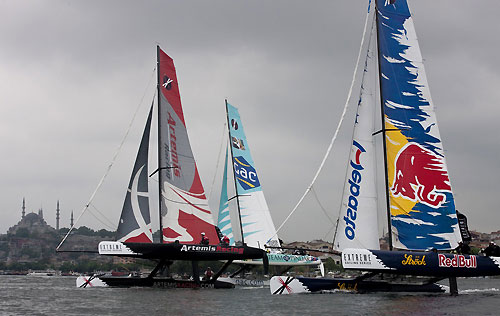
<point>204,239</point>
<point>463,248</point>
<point>492,250</point>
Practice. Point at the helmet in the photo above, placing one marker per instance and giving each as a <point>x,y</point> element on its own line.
<point>203,233</point>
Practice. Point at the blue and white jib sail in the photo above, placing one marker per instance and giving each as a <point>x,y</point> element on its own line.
<point>135,221</point>
<point>257,224</point>
<point>224,222</point>
<point>421,201</point>
<point>358,224</point>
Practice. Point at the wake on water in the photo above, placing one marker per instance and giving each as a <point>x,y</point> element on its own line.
<point>474,291</point>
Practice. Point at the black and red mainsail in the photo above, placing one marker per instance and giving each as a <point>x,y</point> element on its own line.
<point>184,209</point>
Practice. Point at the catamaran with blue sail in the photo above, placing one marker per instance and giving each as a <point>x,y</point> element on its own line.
<point>253,215</point>
<point>421,212</point>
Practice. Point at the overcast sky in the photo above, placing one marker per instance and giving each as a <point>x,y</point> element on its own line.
<point>72,74</point>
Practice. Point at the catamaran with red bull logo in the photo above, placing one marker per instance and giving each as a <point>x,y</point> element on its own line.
<point>421,214</point>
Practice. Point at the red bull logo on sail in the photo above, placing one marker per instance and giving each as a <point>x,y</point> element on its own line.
<point>420,175</point>
<point>354,185</point>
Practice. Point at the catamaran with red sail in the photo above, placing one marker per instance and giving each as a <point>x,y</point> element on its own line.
<point>184,214</point>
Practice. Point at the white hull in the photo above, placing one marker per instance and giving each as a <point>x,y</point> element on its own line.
<point>89,281</point>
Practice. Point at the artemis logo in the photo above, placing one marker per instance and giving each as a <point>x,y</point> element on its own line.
<point>167,82</point>
<point>198,248</point>
<point>354,184</point>
<point>212,249</point>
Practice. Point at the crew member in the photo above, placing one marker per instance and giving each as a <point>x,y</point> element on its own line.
<point>208,274</point>
<point>491,250</point>
<point>204,239</point>
<point>463,248</point>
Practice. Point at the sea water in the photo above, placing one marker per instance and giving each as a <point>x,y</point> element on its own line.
<point>25,295</point>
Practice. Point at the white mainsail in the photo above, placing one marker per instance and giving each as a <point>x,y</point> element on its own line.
<point>358,225</point>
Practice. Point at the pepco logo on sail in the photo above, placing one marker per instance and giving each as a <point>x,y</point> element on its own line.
<point>354,184</point>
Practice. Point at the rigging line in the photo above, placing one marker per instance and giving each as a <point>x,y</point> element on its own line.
<point>321,206</point>
<point>184,203</point>
<point>100,221</point>
<point>327,233</point>
<point>181,155</point>
<point>108,169</point>
<point>222,142</point>
<point>109,223</point>
<point>346,105</point>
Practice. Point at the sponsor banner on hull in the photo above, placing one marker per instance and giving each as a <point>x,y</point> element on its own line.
<point>457,261</point>
<point>182,285</point>
<point>361,259</point>
<point>276,259</point>
<point>210,248</point>
<point>420,263</point>
<point>179,251</point>
<point>290,259</point>
<point>245,282</point>
<point>115,248</point>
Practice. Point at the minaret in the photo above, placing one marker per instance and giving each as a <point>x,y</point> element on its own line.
<point>24,209</point>
<point>71,225</point>
<point>57,216</point>
<point>40,212</point>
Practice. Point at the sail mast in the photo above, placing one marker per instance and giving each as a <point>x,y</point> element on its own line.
<point>382,114</point>
<point>232,164</point>
<point>160,178</point>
